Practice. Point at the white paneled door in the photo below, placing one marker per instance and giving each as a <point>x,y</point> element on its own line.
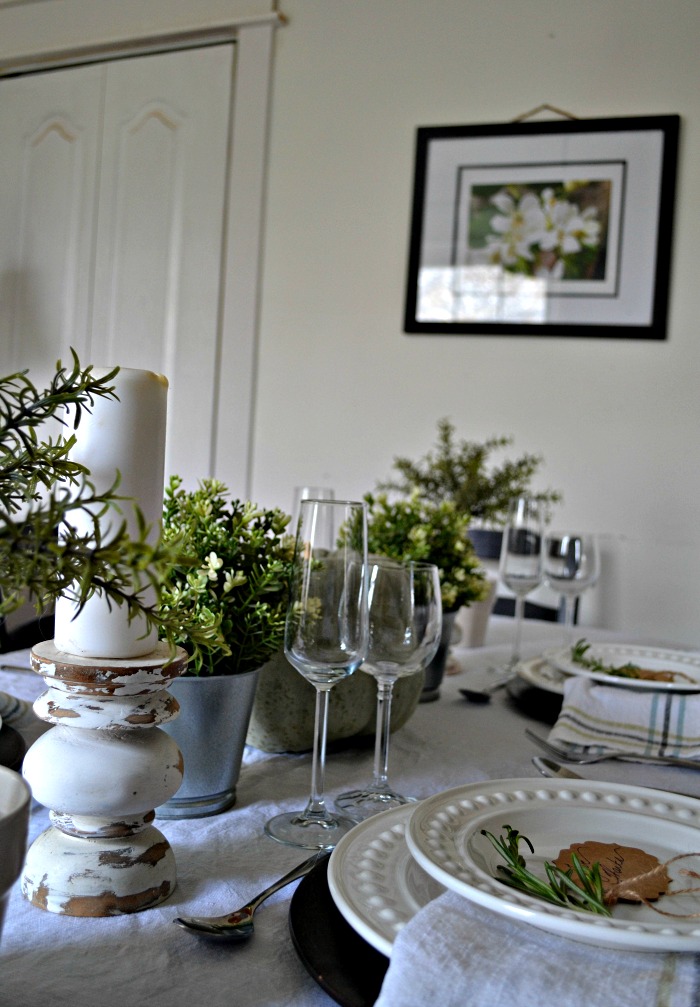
<point>113,191</point>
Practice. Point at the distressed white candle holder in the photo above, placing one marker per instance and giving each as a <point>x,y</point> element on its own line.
<point>102,770</point>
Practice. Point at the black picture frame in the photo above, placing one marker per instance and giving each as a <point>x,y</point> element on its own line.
<point>479,267</point>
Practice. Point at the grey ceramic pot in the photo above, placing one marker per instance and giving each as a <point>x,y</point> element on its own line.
<point>210,732</point>
<point>435,671</point>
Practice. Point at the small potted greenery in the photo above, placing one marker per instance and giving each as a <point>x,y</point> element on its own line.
<point>244,553</point>
<point>463,472</point>
<point>416,528</point>
<point>241,585</point>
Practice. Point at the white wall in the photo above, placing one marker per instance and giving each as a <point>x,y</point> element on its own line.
<point>342,389</point>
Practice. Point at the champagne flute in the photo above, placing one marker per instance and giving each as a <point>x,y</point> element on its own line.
<point>520,566</point>
<point>405,620</point>
<point>326,636</point>
<point>571,565</point>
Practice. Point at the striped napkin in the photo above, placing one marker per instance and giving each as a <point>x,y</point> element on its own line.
<point>640,722</point>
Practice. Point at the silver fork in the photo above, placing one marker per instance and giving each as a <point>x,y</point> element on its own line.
<point>585,760</point>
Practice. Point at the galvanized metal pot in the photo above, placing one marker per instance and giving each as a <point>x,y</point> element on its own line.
<point>210,732</point>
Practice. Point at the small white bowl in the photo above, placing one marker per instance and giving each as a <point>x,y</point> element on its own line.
<point>15,801</point>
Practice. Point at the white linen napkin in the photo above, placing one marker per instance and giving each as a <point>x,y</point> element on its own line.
<point>455,953</point>
<point>641,722</point>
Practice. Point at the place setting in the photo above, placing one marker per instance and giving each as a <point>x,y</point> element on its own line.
<point>425,876</point>
<point>412,890</point>
<point>588,675</point>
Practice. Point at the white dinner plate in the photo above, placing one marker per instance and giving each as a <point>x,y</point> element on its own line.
<point>444,836</point>
<point>375,882</point>
<point>684,662</point>
<point>539,672</point>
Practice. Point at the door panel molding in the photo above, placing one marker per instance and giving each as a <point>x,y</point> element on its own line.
<point>229,399</point>
<point>146,45</point>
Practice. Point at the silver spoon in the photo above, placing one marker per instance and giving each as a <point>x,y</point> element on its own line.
<point>238,925</point>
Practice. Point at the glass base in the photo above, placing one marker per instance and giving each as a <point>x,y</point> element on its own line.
<point>362,804</point>
<point>295,829</point>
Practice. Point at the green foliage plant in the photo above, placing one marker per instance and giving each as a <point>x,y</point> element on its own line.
<point>415,528</point>
<point>42,489</point>
<point>459,470</point>
<point>241,581</point>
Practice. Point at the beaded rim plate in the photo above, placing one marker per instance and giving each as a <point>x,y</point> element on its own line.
<point>374,881</point>
<point>616,654</point>
<point>444,836</point>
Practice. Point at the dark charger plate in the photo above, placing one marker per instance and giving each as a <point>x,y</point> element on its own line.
<point>540,704</point>
<point>12,748</point>
<point>342,963</point>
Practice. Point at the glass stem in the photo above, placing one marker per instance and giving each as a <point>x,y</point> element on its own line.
<point>519,609</point>
<point>385,689</point>
<point>569,610</point>
<point>316,808</point>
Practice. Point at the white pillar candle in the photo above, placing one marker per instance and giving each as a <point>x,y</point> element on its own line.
<point>125,436</point>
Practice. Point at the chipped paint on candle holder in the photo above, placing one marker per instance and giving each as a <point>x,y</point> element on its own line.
<point>101,770</point>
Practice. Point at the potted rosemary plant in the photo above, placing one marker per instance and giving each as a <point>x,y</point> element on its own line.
<point>42,489</point>
<point>464,472</point>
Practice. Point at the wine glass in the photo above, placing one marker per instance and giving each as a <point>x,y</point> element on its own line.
<point>308,493</point>
<point>571,565</point>
<point>326,636</point>
<point>520,566</point>
<point>405,621</point>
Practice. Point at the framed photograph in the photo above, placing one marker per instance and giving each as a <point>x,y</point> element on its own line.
<point>552,228</point>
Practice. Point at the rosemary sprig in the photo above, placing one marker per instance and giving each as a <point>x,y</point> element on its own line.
<point>561,888</point>
<point>42,490</point>
<point>629,670</point>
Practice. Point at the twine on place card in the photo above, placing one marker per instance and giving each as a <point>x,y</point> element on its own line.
<point>628,873</point>
<point>625,888</point>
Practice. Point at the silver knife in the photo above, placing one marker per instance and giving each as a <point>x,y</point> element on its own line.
<point>553,770</point>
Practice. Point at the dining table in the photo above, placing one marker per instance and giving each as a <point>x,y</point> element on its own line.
<point>303,952</point>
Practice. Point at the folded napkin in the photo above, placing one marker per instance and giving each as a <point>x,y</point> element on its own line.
<point>641,722</point>
<point>455,953</point>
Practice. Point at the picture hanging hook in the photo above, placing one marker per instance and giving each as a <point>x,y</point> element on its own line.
<point>544,108</point>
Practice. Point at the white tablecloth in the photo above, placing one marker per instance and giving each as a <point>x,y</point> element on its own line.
<point>223,860</point>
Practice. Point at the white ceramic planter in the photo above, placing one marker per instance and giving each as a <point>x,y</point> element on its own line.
<point>473,620</point>
<point>15,800</point>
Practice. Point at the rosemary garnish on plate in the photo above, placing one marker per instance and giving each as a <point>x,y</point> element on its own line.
<point>577,888</point>
<point>580,656</point>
